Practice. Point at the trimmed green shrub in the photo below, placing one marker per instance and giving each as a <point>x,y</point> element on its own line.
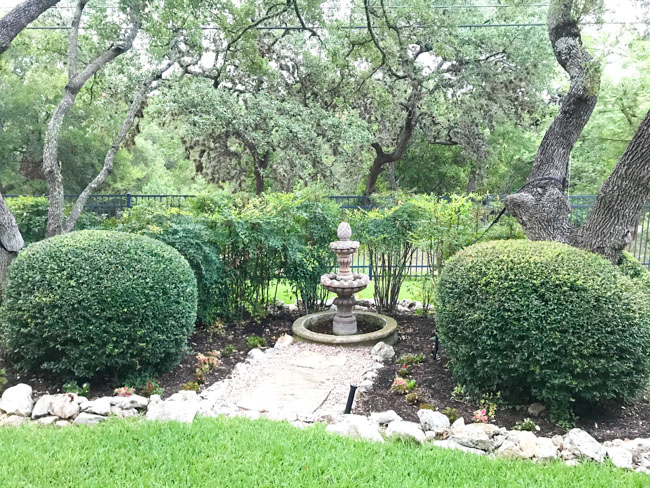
<point>190,236</point>
<point>544,321</point>
<point>98,303</point>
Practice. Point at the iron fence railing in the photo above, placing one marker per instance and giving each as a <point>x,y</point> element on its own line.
<point>113,205</point>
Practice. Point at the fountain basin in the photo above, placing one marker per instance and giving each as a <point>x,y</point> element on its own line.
<point>344,287</point>
<point>387,330</point>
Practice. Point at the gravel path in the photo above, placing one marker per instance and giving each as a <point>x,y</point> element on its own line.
<point>303,380</point>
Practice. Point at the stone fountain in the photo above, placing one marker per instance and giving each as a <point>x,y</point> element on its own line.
<point>345,284</point>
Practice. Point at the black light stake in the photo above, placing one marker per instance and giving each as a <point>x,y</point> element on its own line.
<point>436,345</point>
<point>348,406</point>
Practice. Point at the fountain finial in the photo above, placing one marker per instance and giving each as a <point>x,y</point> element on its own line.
<point>344,231</point>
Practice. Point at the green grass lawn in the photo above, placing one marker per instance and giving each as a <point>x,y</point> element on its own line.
<point>410,289</point>
<point>242,453</point>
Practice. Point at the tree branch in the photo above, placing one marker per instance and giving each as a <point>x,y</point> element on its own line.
<point>20,17</point>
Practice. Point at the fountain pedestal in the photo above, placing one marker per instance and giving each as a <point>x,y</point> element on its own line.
<point>345,283</point>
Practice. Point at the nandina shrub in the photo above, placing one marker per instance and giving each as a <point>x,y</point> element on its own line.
<point>544,321</point>
<point>98,303</point>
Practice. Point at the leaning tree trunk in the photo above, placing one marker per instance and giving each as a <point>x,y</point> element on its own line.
<point>541,205</point>
<point>608,228</point>
<point>11,241</point>
<point>20,17</point>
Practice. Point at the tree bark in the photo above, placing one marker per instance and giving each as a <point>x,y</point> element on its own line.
<point>76,81</point>
<point>20,17</point>
<point>610,224</point>
<point>541,205</point>
<point>11,241</point>
<point>404,138</point>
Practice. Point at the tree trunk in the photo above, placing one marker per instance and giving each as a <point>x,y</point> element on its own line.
<point>471,181</point>
<point>404,138</point>
<point>610,224</point>
<point>76,81</point>
<point>11,241</point>
<point>541,206</point>
<point>20,17</point>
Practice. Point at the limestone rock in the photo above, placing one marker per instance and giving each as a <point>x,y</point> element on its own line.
<point>124,412</point>
<point>450,444</point>
<point>485,437</point>
<point>254,355</point>
<point>132,401</point>
<point>621,457</point>
<point>185,396</point>
<point>535,409</point>
<point>64,406</point>
<point>404,430</point>
<point>458,425</point>
<point>17,400</point>
<point>526,441</point>
<point>433,421</point>
<point>285,340</point>
<point>62,423</point>
<point>42,407</point>
<point>510,450</point>
<point>366,385</point>
<point>12,420</point>
<point>580,443</point>
<point>546,450</point>
<point>173,410</point>
<point>49,420</point>
<point>101,406</point>
<point>356,426</point>
<point>385,417</point>
<point>382,352</point>
<point>85,418</point>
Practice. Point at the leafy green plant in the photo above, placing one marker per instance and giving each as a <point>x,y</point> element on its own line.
<point>427,406</point>
<point>98,304</point>
<point>526,424</point>
<point>3,379</point>
<point>410,359</point>
<point>151,388</point>
<point>204,364</point>
<point>404,370</point>
<point>546,321</point>
<point>124,391</point>
<point>228,350</point>
<point>402,386</point>
<point>413,397</point>
<point>73,387</point>
<point>451,413</point>
<point>256,341</point>
<point>458,393</point>
<point>190,386</point>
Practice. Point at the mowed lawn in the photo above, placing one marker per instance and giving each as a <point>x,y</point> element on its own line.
<point>242,453</point>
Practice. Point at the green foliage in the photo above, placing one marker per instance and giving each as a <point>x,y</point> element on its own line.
<point>73,387</point>
<point>526,424</point>
<point>190,386</point>
<point>151,388</point>
<point>228,350</point>
<point>413,398</point>
<point>544,321</point>
<point>3,378</point>
<point>451,413</point>
<point>98,303</point>
<point>193,239</point>
<point>256,341</point>
<point>410,359</point>
<point>31,216</point>
<point>427,406</point>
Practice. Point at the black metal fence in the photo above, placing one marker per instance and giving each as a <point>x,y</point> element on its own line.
<point>112,205</point>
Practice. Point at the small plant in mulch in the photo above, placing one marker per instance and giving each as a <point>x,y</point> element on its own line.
<point>216,328</point>
<point>255,341</point>
<point>413,398</point>
<point>190,386</point>
<point>404,370</point>
<point>411,359</point>
<point>124,391</point>
<point>458,394</point>
<point>427,406</point>
<point>451,413</point>
<point>228,350</point>
<point>402,386</point>
<point>73,387</point>
<point>206,363</point>
<point>151,388</point>
<point>526,424</point>
<point>480,416</point>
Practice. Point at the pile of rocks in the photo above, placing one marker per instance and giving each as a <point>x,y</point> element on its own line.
<point>18,407</point>
<point>487,439</point>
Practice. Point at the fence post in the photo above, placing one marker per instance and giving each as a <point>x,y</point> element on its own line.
<point>128,201</point>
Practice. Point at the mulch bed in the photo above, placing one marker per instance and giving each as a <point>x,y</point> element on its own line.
<point>434,382</point>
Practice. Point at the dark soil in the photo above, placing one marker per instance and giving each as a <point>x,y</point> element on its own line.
<point>435,385</point>
<point>434,382</point>
<point>201,341</point>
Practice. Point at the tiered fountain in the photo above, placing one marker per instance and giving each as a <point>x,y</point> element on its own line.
<point>342,327</point>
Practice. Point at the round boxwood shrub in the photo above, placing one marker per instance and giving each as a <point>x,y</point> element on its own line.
<point>98,303</point>
<point>544,321</point>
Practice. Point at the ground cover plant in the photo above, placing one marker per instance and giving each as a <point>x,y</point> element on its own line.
<point>98,304</point>
<point>227,452</point>
<point>543,321</point>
